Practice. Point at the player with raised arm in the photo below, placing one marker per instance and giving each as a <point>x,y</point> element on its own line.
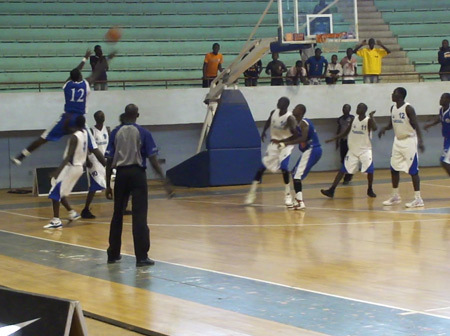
<point>69,172</point>
<point>404,149</point>
<point>444,119</point>
<point>359,133</point>
<point>282,125</point>
<point>76,89</point>
<point>308,141</point>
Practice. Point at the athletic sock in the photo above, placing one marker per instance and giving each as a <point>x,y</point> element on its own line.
<point>25,152</point>
<point>287,189</point>
<point>417,194</point>
<point>254,186</point>
<point>394,191</point>
<point>299,196</point>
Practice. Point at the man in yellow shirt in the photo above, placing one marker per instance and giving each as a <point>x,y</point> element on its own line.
<point>371,59</point>
<point>211,65</point>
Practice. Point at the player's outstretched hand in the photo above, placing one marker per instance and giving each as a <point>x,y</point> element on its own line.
<point>381,133</point>
<point>329,140</point>
<point>275,141</point>
<point>169,189</point>
<point>112,55</point>
<point>109,193</point>
<point>263,137</point>
<point>88,53</point>
<point>371,114</point>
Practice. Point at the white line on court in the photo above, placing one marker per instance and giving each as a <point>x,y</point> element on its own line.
<point>409,311</point>
<point>406,310</point>
<point>245,225</point>
<point>434,185</point>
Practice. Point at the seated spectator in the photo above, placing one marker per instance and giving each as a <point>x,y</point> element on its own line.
<point>334,71</point>
<point>275,69</point>
<point>349,68</point>
<point>296,74</point>
<point>444,61</point>
<point>316,67</point>
<point>212,65</point>
<point>252,74</point>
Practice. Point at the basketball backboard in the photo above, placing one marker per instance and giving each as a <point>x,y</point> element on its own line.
<point>302,20</point>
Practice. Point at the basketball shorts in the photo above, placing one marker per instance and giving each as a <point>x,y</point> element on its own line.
<point>304,164</point>
<point>276,158</point>
<point>97,174</point>
<point>59,129</point>
<point>352,162</point>
<point>446,152</point>
<point>64,183</point>
<point>404,156</point>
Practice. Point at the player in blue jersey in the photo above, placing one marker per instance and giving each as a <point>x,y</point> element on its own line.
<point>444,119</point>
<point>76,89</point>
<point>309,145</point>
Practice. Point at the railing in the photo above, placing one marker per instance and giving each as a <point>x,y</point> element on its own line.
<point>193,82</point>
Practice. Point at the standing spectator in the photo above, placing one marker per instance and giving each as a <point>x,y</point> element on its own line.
<point>212,65</point>
<point>444,61</point>
<point>275,69</point>
<point>129,147</point>
<point>371,59</point>
<point>101,83</point>
<point>349,68</point>
<point>296,74</point>
<point>344,121</point>
<point>321,25</point>
<point>252,74</point>
<point>316,67</point>
<point>334,71</point>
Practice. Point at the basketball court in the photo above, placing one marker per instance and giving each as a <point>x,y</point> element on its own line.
<point>345,266</point>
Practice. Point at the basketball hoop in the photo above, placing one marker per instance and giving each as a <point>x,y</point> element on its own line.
<point>330,42</point>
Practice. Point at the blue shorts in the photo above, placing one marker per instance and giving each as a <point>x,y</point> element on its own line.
<point>308,159</point>
<point>61,126</point>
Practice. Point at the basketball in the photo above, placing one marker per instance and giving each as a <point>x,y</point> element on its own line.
<point>113,35</point>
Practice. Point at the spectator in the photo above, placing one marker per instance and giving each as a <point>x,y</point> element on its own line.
<point>252,74</point>
<point>371,59</point>
<point>321,25</point>
<point>296,74</point>
<point>320,6</point>
<point>100,83</point>
<point>212,65</point>
<point>316,67</point>
<point>275,69</point>
<point>349,68</point>
<point>444,61</point>
<point>334,71</point>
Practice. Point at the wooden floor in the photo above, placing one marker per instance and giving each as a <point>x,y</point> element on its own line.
<point>349,247</point>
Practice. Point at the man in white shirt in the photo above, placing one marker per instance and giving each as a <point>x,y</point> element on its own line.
<point>334,71</point>
<point>349,68</point>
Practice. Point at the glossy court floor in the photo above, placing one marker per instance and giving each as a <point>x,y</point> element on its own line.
<point>344,266</point>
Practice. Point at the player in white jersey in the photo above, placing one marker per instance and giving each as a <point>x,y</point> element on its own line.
<point>404,150</point>
<point>359,133</point>
<point>282,125</point>
<point>444,119</point>
<point>97,172</point>
<point>69,172</point>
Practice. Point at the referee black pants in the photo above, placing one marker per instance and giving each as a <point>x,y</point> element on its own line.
<point>130,180</point>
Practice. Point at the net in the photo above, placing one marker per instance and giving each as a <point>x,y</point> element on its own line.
<point>330,42</point>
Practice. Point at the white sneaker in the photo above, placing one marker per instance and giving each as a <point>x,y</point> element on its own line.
<point>250,198</point>
<point>288,201</point>
<point>417,203</point>
<point>299,205</point>
<point>395,199</point>
<point>54,223</point>
<point>73,215</point>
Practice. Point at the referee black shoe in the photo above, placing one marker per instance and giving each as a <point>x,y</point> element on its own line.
<point>145,262</point>
<point>114,260</point>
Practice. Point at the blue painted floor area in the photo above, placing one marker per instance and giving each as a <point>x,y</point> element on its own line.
<point>295,307</point>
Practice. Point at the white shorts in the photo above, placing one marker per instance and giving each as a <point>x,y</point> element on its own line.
<point>97,174</point>
<point>276,158</point>
<point>64,183</point>
<point>352,162</point>
<point>404,155</point>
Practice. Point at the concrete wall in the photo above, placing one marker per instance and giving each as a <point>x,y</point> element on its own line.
<point>175,118</point>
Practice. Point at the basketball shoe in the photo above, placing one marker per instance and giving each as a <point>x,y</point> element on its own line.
<point>288,201</point>
<point>73,216</point>
<point>299,205</point>
<point>250,198</point>
<point>54,223</point>
<point>417,203</point>
<point>395,199</point>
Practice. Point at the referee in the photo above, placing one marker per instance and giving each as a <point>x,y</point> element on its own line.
<point>128,148</point>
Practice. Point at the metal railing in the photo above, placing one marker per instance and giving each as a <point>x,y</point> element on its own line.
<point>196,82</point>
